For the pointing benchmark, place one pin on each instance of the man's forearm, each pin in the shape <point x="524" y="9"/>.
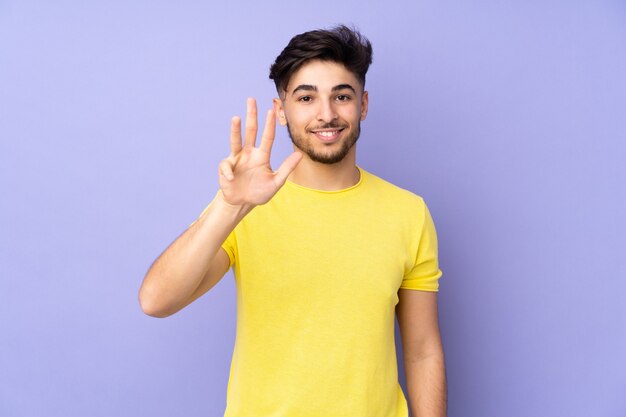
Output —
<point x="426" y="386"/>
<point x="179" y="270"/>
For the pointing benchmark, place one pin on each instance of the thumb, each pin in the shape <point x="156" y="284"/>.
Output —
<point x="287" y="168"/>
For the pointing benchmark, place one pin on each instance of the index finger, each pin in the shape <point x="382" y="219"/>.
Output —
<point x="269" y="132"/>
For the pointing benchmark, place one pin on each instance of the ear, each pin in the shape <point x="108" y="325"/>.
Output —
<point x="364" y="103"/>
<point x="280" y="111"/>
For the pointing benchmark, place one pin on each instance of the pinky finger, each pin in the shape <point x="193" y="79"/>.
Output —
<point x="235" y="135"/>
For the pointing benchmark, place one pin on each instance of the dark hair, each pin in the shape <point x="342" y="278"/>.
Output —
<point x="340" y="44"/>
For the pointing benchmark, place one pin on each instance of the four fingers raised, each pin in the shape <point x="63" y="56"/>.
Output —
<point x="227" y="166"/>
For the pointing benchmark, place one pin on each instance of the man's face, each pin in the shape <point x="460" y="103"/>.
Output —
<point x="322" y="108"/>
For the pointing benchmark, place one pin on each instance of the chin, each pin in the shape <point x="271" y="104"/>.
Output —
<point x="327" y="158"/>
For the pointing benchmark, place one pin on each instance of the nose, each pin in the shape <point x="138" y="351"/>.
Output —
<point x="326" y="112"/>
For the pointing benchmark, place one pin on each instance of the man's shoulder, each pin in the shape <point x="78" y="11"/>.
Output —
<point x="384" y="188"/>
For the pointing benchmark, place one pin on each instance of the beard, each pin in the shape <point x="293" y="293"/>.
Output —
<point x="305" y="146"/>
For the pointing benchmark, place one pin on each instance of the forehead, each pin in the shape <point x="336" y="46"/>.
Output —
<point x="324" y="75"/>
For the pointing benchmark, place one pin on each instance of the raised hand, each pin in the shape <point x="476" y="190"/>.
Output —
<point x="246" y="177"/>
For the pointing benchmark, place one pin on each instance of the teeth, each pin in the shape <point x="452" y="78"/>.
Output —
<point x="327" y="134"/>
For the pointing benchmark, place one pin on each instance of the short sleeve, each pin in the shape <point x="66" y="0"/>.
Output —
<point x="230" y="246"/>
<point x="425" y="273"/>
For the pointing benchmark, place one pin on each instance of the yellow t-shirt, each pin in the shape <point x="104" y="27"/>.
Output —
<point x="317" y="276"/>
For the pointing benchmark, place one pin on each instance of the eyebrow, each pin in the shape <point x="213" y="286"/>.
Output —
<point x="304" y="87"/>
<point x="309" y="87"/>
<point x="344" y="87"/>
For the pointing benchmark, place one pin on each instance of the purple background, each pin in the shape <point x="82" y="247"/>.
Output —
<point x="509" y="118"/>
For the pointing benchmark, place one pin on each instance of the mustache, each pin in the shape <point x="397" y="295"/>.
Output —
<point x="329" y="126"/>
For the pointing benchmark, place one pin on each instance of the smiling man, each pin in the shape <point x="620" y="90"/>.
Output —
<point x="325" y="255"/>
<point x="338" y="129"/>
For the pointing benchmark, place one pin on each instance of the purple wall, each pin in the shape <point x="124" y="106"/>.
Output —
<point x="508" y="117"/>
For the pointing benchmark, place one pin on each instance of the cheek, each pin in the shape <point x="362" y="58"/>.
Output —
<point x="352" y="114"/>
<point x="298" y="119"/>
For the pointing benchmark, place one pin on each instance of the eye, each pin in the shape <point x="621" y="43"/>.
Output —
<point x="305" y="99"/>
<point x="343" y="97"/>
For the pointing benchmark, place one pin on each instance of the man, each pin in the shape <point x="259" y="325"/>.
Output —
<point x="324" y="255"/>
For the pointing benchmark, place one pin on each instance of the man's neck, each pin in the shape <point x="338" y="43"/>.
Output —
<point x="326" y="177"/>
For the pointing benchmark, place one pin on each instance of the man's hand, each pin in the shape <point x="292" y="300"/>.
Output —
<point x="246" y="177"/>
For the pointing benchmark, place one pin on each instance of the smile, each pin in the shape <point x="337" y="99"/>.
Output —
<point x="327" y="135"/>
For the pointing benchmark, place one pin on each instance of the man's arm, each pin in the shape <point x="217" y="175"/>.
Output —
<point x="423" y="353"/>
<point x="195" y="261"/>
<point x="192" y="264"/>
